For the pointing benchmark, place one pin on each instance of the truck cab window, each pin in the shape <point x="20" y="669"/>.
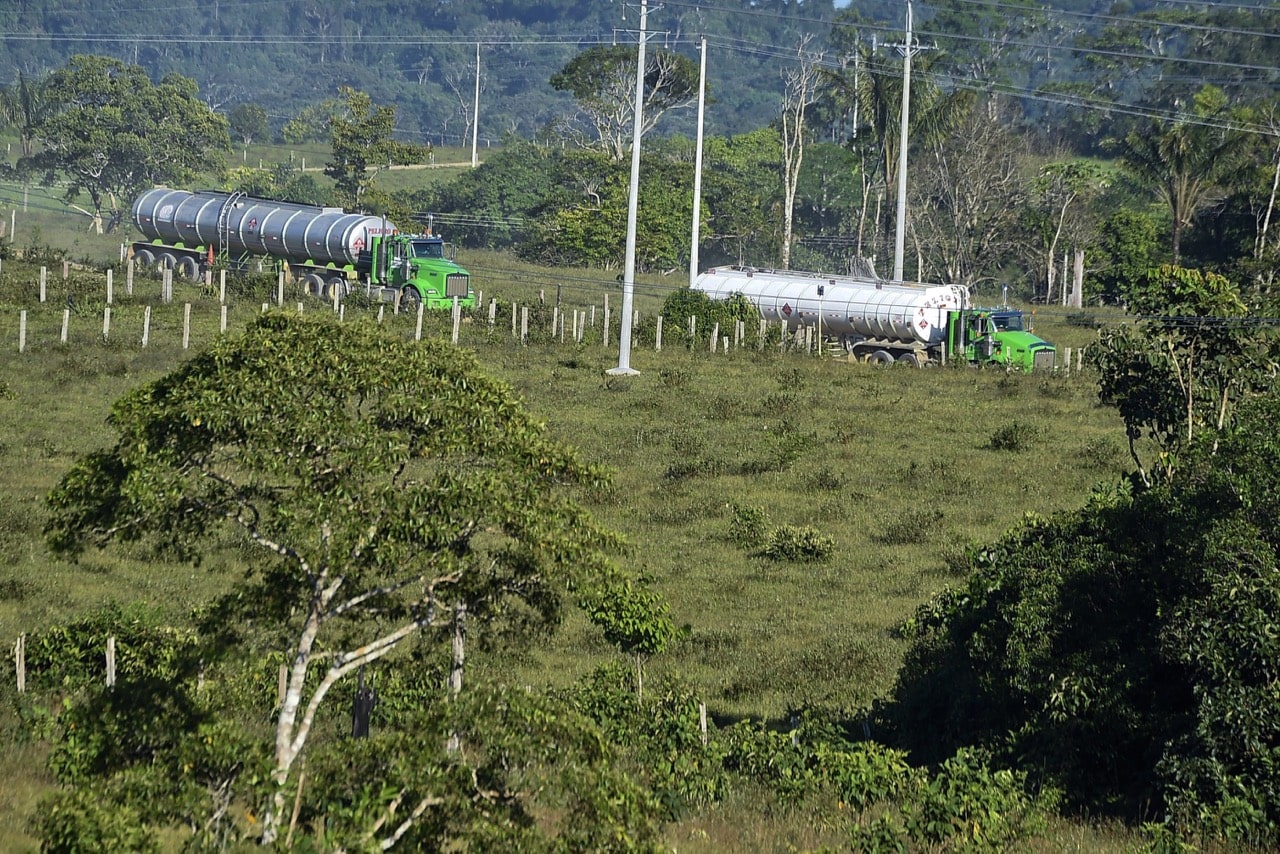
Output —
<point x="427" y="249"/>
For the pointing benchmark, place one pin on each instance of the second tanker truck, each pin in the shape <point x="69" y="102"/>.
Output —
<point x="325" y="250"/>
<point x="884" y="322"/>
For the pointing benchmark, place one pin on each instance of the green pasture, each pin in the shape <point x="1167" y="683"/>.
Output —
<point x="903" y="469"/>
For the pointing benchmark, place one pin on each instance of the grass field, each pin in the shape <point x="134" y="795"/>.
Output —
<point x="903" y="469"/>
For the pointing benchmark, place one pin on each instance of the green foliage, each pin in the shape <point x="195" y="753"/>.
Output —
<point x="602" y="79"/>
<point x="382" y="484"/>
<point x="1014" y="436"/>
<point x="748" y="526"/>
<point x="1192" y="357"/>
<point x="684" y="303"/>
<point x="363" y="146"/>
<point x="1145" y="622"/>
<point x="112" y="133"/>
<point x="81" y="822"/>
<point x="248" y="122"/>
<point x="661" y="736"/>
<point x="1127" y="250"/>
<point x="798" y="544"/>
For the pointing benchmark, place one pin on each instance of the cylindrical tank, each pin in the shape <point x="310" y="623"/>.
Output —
<point x="862" y="308"/>
<point x="242" y="224"/>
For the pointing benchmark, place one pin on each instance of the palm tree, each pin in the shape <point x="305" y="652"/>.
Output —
<point x="1187" y="161"/>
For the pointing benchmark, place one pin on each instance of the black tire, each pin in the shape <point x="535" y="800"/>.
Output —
<point x="336" y="285"/>
<point x="143" y="258"/>
<point x="410" y="298"/>
<point x="188" y="268"/>
<point x="880" y="357"/>
<point x="909" y="360"/>
<point x="166" y="261"/>
<point x="313" y="285"/>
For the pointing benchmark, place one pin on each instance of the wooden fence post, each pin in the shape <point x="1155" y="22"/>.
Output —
<point x="457" y="319"/>
<point x="417" y="331"/>
<point x="715" y="335"/>
<point x="44" y="279"/>
<point x="128" y="278"/>
<point x="111" y="661"/>
<point x="186" y="325"/>
<point x="146" y="326"/>
<point x="20" y="662"/>
<point x="524" y="324"/>
<point x="106" y="323"/>
<point x="222" y="326"/>
<point x="22" y="330"/>
<point x="657" y="336"/>
<point x="110" y="272"/>
<point x="66" y="324"/>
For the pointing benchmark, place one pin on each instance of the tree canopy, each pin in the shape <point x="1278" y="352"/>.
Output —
<point x="384" y="486"/>
<point x="109" y="133"/>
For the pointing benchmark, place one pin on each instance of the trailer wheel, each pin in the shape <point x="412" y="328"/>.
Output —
<point x="188" y="268"/>
<point x="312" y="284"/>
<point x="880" y="357"/>
<point x="143" y="258"/>
<point x="166" y="261"/>
<point x="336" y="285"/>
<point x="909" y="360"/>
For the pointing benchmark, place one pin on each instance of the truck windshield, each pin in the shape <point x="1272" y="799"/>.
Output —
<point x="1007" y="322"/>
<point x="428" y="249"/>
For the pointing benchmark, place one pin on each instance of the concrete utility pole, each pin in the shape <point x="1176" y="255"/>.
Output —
<point x="629" y="264"/>
<point x="697" y="167"/>
<point x="907" y="48"/>
<point x="475" y="123"/>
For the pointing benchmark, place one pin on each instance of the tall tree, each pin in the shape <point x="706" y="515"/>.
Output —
<point x="603" y="80"/>
<point x="798" y="92"/>
<point x="1185" y="161"/>
<point x="363" y="146"/>
<point x="110" y="133"/>
<point x="380" y="483"/>
<point x="249" y="122"/>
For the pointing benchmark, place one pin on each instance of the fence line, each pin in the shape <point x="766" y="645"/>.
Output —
<point x="804" y="339"/>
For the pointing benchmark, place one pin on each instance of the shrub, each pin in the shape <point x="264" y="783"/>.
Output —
<point x="798" y="544"/>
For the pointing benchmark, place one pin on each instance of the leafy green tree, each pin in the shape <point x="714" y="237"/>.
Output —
<point x="111" y="133"/>
<point x="603" y="81"/>
<point x="1192" y="357"/>
<point x="584" y="221"/>
<point x="1127" y="250"/>
<point x="1185" y="162"/>
<point x="380" y="484"/>
<point x="635" y="620"/>
<point x="1145" y="622"/>
<point x="363" y="146"/>
<point x="311" y="124"/>
<point x="249" y="122"/>
<point x="23" y="105"/>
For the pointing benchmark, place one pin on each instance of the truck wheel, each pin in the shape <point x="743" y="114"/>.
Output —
<point x="143" y="258"/>
<point x="312" y="284"/>
<point x="880" y="357"/>
<point x="188" y="268"/>
<point x="336" y="285"/>
<point x="166" y="261"/>
<point x="909" y="360"/>
<point x="410" y="298"/>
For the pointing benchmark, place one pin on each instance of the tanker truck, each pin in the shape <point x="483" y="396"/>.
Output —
<point x="884" y="322"/>
<point x="325" y="250"/>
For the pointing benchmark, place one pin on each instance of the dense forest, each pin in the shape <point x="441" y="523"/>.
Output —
<point x="1071" y="66"/>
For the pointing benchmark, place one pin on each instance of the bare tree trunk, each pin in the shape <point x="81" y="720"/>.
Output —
<point x="798" y="94"/>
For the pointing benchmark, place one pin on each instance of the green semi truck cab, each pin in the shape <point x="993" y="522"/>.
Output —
<point x="997" y="336"/>
<point x="420" y="266"/>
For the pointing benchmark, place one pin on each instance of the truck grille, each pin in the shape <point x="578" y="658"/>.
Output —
<point x="1043" y="360"/>
<point x="457" y="285"/>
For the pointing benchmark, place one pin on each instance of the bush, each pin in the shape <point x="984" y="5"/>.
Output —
<point x="1145" y="622"/>
<point x="798" y="544"/>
